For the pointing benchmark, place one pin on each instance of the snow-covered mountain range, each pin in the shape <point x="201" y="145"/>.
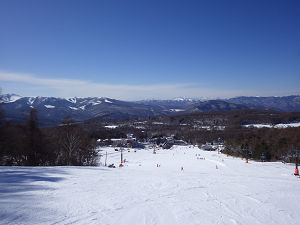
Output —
<point x="176" y="103"/>
<point x="52" y="110"/>
<point x="285" y="103"/>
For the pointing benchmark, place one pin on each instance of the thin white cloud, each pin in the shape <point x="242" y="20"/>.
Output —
<point x="72" y="87"/>
<point x="30" y="79"/>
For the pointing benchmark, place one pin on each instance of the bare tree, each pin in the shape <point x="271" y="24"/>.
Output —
<point x="76" y="148"/>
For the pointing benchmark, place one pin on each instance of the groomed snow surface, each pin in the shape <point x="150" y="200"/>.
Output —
<point x="211" y="189"/>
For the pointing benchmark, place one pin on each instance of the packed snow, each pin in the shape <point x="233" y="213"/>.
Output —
<point x="184" y="185"/>
<point x="280" y="125"/>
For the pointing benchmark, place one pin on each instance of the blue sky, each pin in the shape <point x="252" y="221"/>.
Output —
<point x="150" y="49"/>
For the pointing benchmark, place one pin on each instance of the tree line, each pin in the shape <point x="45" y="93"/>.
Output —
<point x="29" y="145"/>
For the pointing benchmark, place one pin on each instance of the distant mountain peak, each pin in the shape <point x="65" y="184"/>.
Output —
<point x="6" y="98"/>
<point x="182" y="99"/>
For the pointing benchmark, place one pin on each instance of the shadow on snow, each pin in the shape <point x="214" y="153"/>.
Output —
<point x="14" y="180"/>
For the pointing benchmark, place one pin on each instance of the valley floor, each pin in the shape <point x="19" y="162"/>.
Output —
<point x="211" y="189"/>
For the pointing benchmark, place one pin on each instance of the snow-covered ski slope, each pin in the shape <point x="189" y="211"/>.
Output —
<point x="214" y="190"/>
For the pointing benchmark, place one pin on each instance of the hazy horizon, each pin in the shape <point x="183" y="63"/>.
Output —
<point x="150" y="99"/>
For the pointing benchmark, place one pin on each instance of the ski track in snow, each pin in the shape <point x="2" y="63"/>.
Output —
<point x="141" y="193"/>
